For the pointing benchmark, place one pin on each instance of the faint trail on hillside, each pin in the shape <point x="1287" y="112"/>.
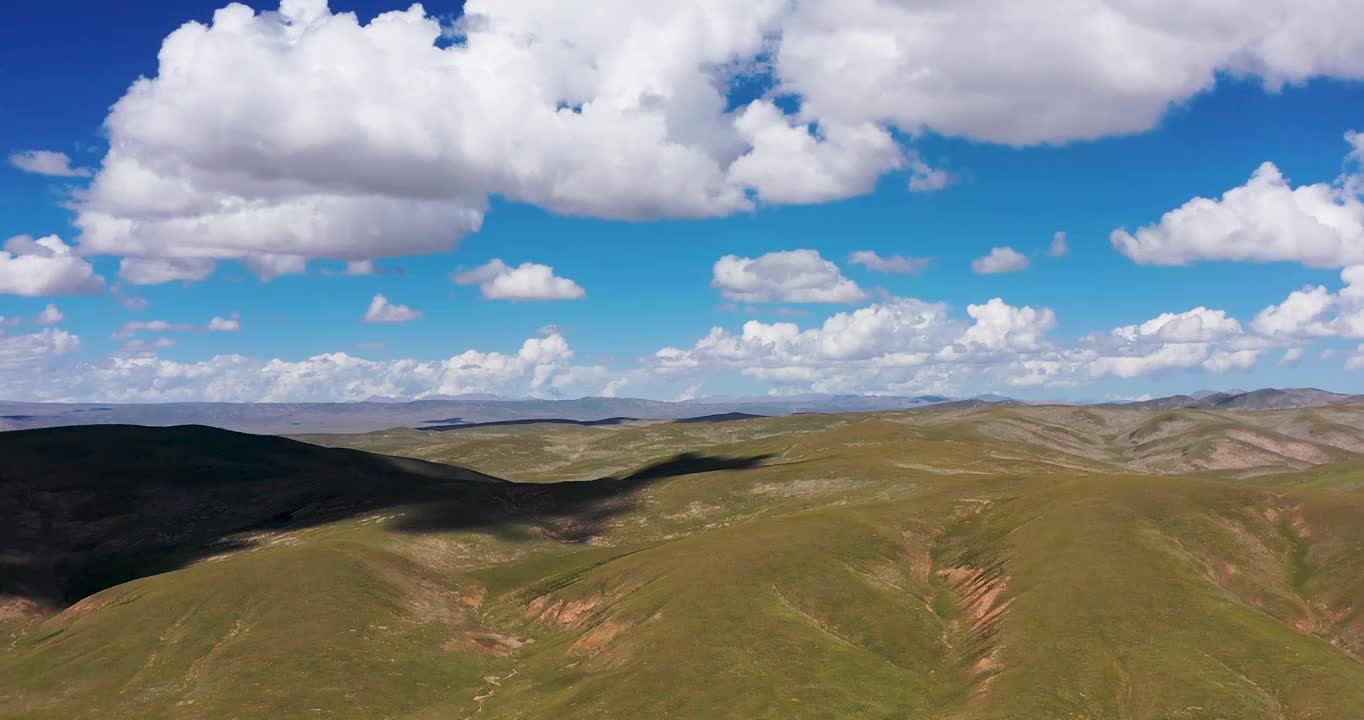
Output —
<point x="496" y="682"/>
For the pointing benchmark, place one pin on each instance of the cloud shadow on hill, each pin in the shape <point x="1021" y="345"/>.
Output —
<point x="95" y="506"/>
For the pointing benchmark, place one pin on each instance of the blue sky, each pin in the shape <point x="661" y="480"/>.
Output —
<point x="647" y="265"/>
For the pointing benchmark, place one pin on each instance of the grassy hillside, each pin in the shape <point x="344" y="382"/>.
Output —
<point x="997" y="563"/>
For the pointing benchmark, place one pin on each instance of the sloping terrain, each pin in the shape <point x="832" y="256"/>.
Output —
<point x="1006" y="562"/>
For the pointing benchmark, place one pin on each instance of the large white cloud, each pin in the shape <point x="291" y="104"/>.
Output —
<point x="1043" y="71"/>
<point x="45" y="266"/>
<point x="786" y="276"/>
<point x="1265" y="220"/>
<point x="284" y="136"/>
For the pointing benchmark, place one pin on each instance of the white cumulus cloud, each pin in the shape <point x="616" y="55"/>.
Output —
<point x="1060" y="245"/>
<point x="786" y="276"/>
<point x="24" y="356"/>
<point x="1265" y="220"/>
<point x="45" y="266"/>
<point x="50" y="315"/>
<point x="527" y="281"/>
<point x="38" y="367"/>
<point x="279" y="137"/>
<point x="382" y="311"/>
<point x="1000" y="260"/>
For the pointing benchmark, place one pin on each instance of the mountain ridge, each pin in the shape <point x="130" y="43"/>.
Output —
<point x="372" y="415"/>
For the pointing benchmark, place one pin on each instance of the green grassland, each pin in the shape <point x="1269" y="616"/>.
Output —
<point x="999" y="563"/>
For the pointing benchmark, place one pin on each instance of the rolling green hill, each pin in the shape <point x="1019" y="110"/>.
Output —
<point x="1006" y="562"/>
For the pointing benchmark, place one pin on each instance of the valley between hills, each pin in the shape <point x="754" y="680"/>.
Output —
<point x="958" y="563"/>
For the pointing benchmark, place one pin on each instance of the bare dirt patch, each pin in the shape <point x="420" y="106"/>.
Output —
<point x="558" y="612"/>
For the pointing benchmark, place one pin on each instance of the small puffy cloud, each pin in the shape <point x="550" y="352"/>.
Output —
<point x="894" y="264"/>
<point x="1060" y="245"/>
<point x="1353" y="361"/>
<point x="362" y="268"/>
<point x="140" y="347"/>
<point x="127" y="329"/>
<point x="130" y="302"/>
<point x="47" y="162"/>
<point x="382" y="311"/>
<point x="528" y="281"/>
<point x="1292" y="356"/>
<point x="231" y="323"/>
<point x="690" y="393"/>
<point x="154" y="271"/>
<point x="800" y="276"/>
<point x="926" y="178"/>
<point x="45" y="266"/>
<point x="1000" y="260"/>
<point x="50" y="315"/>
<point x="613" y="387"/>
<point x="1265" y="220"/>
<point x="268" y="266"/>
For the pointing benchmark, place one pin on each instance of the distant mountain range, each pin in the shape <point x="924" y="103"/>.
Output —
<point x="384" y="413"/>
<point x="1266" y="399"/>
